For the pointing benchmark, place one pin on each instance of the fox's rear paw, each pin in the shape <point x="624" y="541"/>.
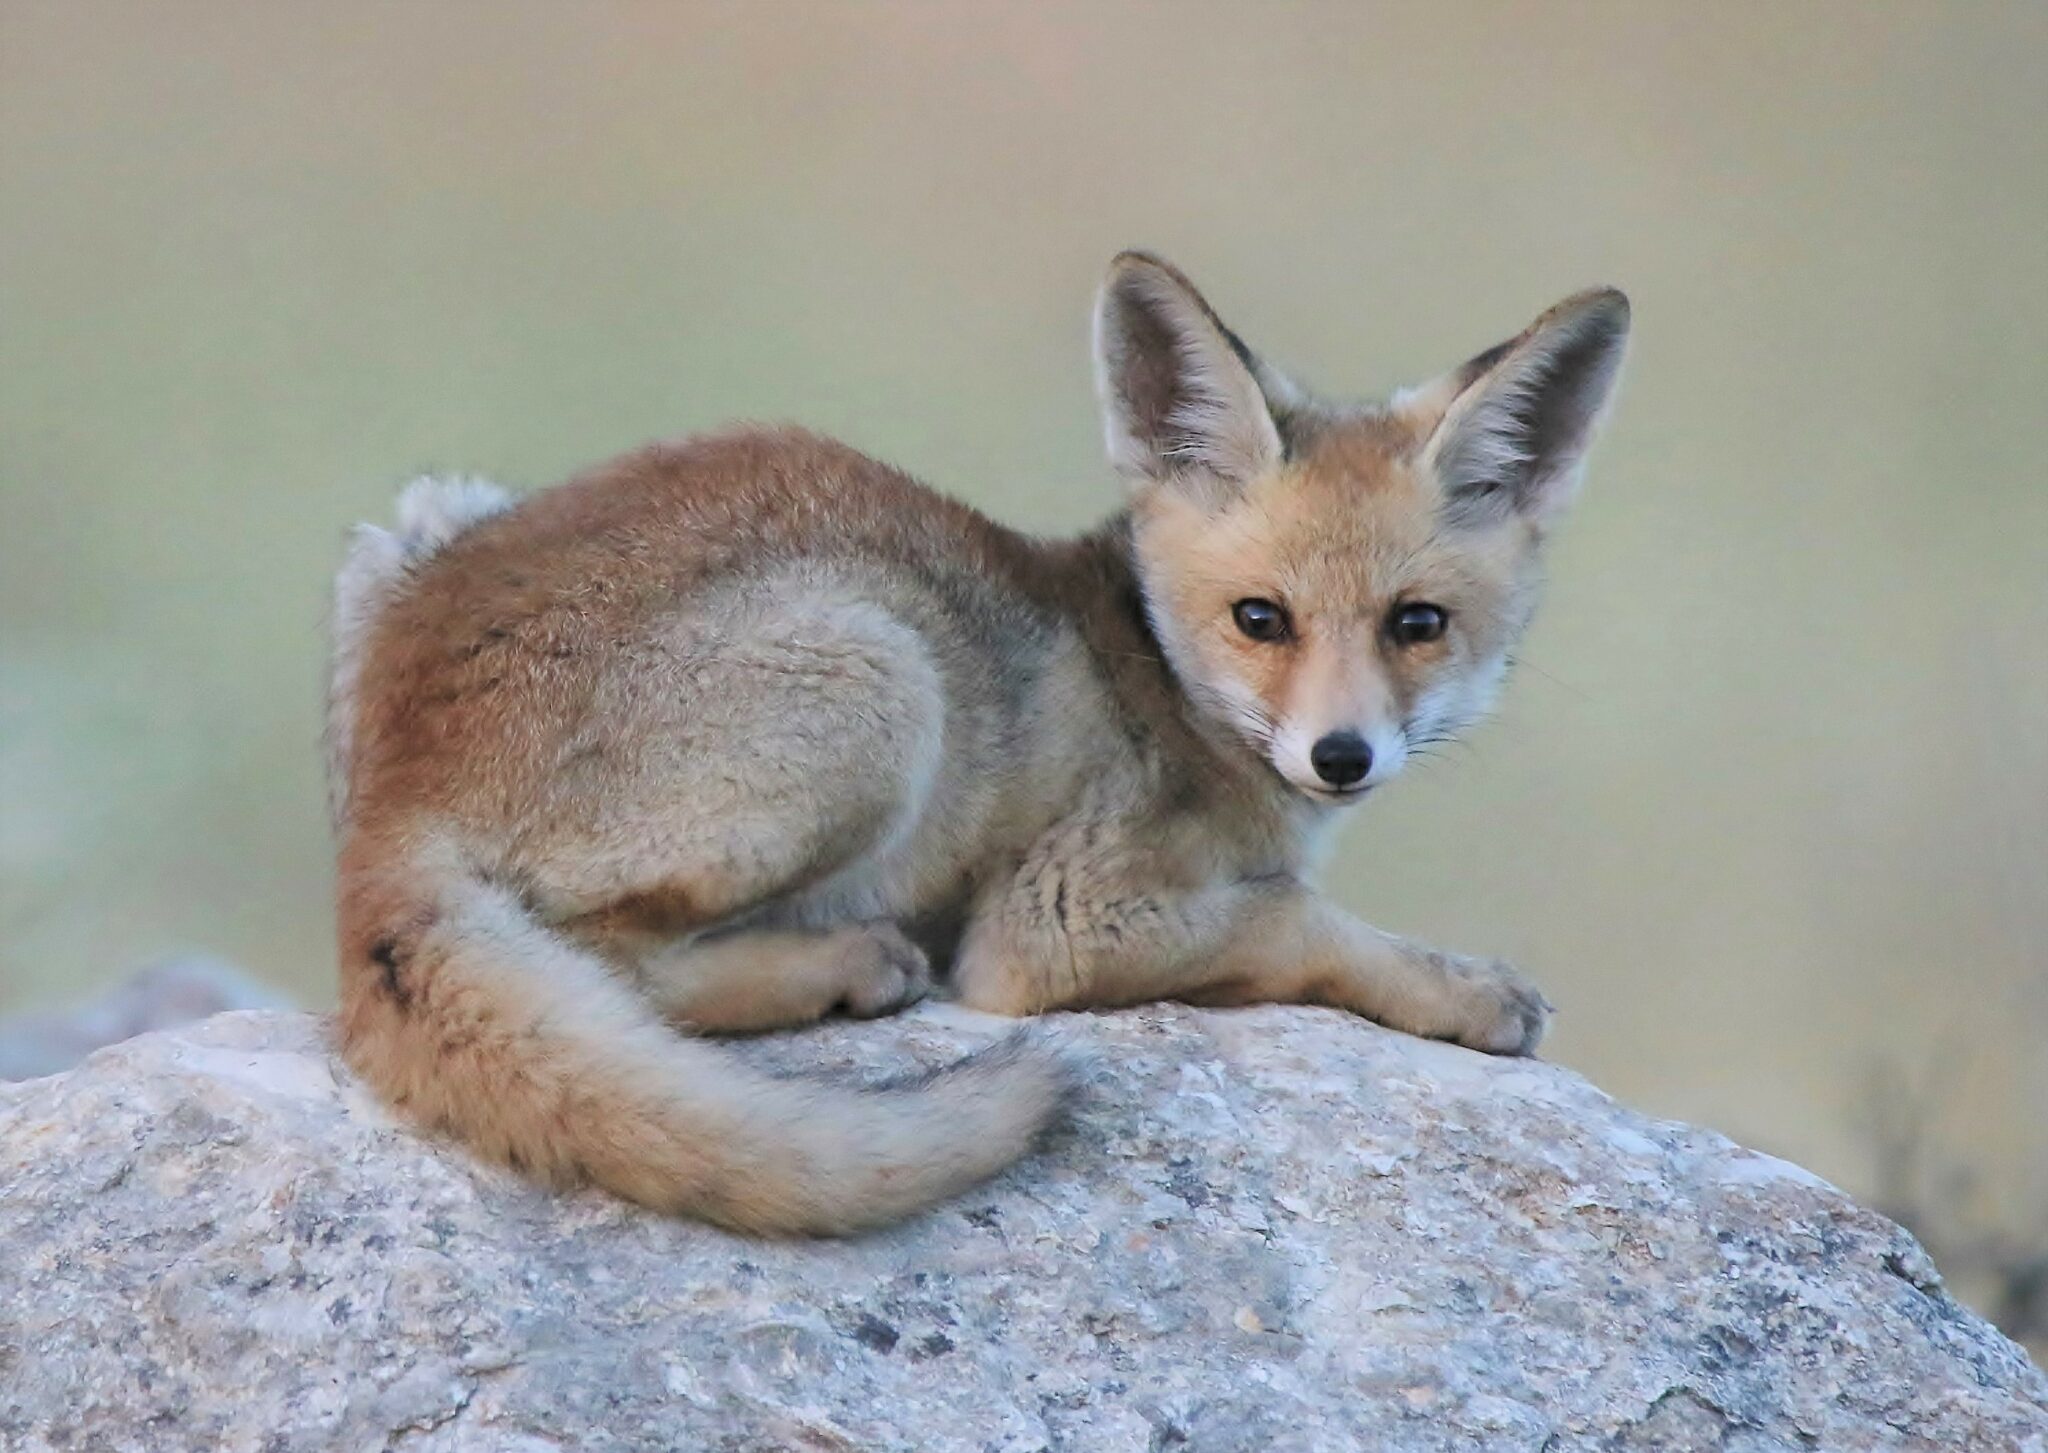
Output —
<point x="1506" y="1014"/>
<point x="879" y="971"/>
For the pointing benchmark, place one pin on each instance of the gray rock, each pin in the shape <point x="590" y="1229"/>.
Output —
<point x="1268" y="1229"/>
<point x="171" y="992"/>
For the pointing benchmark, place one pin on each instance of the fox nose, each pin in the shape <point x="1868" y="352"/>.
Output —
<point x="1341" y="759"/>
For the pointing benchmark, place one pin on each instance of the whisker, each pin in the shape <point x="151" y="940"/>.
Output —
<point x="1520" y="663"/>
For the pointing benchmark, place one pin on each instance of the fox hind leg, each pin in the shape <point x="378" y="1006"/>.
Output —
<point x="750" y="980"/>
<point x="797" y="740"/>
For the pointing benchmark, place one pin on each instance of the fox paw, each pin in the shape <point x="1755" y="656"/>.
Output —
<point x="878" y="971"/>
<point x="1503" y="1014"/>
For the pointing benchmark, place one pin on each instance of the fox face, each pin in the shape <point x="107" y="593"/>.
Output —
<point x="1341" y="585"/>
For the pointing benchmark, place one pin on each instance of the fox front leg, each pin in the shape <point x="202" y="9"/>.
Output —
<point x="1084" y="923"/>
<point x="1292" y="945"/>
<point x="1264" y="941"/>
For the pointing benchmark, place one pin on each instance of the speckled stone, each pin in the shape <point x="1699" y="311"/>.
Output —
<point x="1266" y="1229"/>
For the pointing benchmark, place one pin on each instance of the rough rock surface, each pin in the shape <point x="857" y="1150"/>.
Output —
<point x="1269" y="1229"/>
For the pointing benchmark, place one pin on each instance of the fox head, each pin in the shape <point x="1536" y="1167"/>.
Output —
<point x="1341" y="584"/>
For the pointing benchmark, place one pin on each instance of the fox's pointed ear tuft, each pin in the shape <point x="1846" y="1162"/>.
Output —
<point x="1183" y="399"/>
<point x="1520" y="416"/>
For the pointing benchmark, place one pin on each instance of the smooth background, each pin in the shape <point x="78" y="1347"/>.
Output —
<point x="1767" y="809"/>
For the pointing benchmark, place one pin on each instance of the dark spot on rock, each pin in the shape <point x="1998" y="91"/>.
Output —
<point x="935" y="1344"/>
<point x="1722" y="1347"/>
<point x="871" y="1331"/>
<point x="1895" y="1263"/>
<point x="1168" y="1434"/>
<point x="338" y="1310"/>
<point x="987" y="1218"/>
<point x="1184" y="1180"/>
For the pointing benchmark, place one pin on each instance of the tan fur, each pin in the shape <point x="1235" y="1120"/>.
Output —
<point x="731" y="734"/>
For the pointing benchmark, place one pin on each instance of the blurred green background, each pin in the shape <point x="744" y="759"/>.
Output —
<point x="1767" y="808"/>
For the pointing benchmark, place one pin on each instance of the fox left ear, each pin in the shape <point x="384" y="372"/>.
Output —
<point x="1183" y="399"/>
<point x="1521" y="416"/>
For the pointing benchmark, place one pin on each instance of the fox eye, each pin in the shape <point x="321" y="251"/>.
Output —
<point x="1418" y="622"/>
<point x="1262" y="620"/>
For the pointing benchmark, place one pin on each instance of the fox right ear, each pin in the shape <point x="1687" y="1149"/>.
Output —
<point x="1181" y="395"/>
<point x="1515" y="433"/>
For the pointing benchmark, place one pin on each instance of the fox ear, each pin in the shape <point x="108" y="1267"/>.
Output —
<point x="1520" y="416"/>
<point x="1182" y="398"/>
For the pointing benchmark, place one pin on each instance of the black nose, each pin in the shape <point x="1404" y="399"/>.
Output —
<point x="1341" y="758"/>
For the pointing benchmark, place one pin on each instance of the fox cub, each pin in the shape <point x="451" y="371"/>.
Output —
<point x="734" y="733"/>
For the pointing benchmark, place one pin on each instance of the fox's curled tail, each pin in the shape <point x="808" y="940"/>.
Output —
<point x="473" y="1017"/>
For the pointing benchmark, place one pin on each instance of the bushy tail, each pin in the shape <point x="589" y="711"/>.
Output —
<point x="463" y="1010"/>
<point x="432" y="510"/>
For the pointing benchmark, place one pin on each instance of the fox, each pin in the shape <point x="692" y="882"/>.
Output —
<point x="735" y="733"/>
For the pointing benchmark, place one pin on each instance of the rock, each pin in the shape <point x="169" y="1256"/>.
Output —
<point x="172" y="992"/>
<point x="1267" y="1229"/>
